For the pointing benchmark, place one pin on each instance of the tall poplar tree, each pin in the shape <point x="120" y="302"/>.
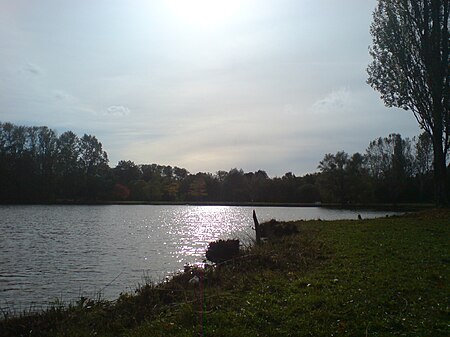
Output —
<point x="410" y="69"/>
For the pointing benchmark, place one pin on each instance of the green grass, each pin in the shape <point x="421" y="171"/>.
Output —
<point x="380" y="277"/>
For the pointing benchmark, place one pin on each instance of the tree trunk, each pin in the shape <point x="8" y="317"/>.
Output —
<point x="437" y="65"/>
<point x="440" y="173"/>
<point x="257" y="229"/>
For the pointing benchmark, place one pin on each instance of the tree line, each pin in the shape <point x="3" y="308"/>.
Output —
<point x="37" y="165"/>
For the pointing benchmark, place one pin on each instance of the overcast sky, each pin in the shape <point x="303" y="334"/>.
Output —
<point x="201" y="84"/>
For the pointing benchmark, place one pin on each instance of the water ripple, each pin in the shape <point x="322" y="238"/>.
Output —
<point x="64" y="252"/>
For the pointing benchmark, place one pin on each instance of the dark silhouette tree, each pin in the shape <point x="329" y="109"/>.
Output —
<point x="389" y="162"/>
<point x="334" y="177"/>
<point x="127" y="171"/>
<point x="93" y="162"/>
<point x="137" y="190"/>
<point x="180" y="173"/>
<point x="47" y="150"/>
<point x="410" y="69"/>
<point x="198" y="188"/>
<point x="92" y="155"/>
<point x="424" y="154"/>
<point x="67" y="168"/>
<point x="235" y="186"/>
<point x="423" y="165"/>
<point x="257" y="184"/>
<point x="308" y="193"/>
<point x="359" y="190"/>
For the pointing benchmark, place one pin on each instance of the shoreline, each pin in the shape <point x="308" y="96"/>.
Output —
<point x="375" y="277"/>
<point x="380" y="207"/>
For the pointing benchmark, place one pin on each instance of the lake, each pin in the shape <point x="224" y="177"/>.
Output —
<point x="59" y="253"/>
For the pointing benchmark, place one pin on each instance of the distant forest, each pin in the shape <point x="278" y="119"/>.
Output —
<point x="37" y="165"/>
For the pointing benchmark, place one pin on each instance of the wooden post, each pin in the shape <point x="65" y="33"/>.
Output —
<point x="257" y="230"/>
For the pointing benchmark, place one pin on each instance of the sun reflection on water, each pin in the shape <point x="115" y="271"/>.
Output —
<point x="200" y="225"/>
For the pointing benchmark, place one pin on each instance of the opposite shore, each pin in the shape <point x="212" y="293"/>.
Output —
<point x="405" y="207"/>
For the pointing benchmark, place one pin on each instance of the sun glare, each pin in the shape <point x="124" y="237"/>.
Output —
<point x="204" y="13"/>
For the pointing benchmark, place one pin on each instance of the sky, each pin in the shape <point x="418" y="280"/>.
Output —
<point x="206" y="85"/>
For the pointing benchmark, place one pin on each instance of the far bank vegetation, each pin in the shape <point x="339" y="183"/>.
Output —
<point x="37" y="165"/>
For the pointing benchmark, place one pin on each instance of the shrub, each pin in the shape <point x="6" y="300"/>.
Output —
<point x="222" y="250"/>
<point x="274" y="229"/>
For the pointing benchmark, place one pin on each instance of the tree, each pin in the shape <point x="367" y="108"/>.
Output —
<point x="197" y="188"/>
<point x="235" y="186"/>
<point x="67" y="156"/>
<point x="92" y="155"/>
<point x="423" y="165"/>
<point x="424" y="154"/>
<point x="47" y="150"/>
<point x="180" y="173"/>
<point x="289" y="184"/>
<point x="257" y="185"/>
<point x="359" y="190"/>
<point x="93" y="162"/>
<point x="389" y="162"/>
<point x="334" y="177"/>
<point x="67" y="153"/>
<point x="16" y="169"/>
<point x="410" y="69"/>
<point x="127" y="171"/>
<point x="308" y="193"/>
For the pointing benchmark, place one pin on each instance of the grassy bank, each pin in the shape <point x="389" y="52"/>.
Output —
<point x="380" y="277"/>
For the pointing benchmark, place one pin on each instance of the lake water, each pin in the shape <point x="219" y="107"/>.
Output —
<point x="53" y="253"/>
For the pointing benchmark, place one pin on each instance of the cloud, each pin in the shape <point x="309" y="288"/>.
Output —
<point x="61" y="95"/>
<point x="117" y="110"/>
<point x="33" y="69"/>
<point x="335" y="100"/>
